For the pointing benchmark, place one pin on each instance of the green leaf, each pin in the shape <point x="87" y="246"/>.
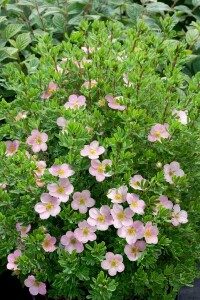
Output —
<point x="59" y="22"/>
<point x="12" y="52"/>
<point x="158" y="7"/>
<point x="2" y="19"/>
<point x="75" y="20"/>
<point x="11" y="30"/>
<point x="196" y="3"/>
<point x="183" y="8"/>
<point x="26" y="3"/>
<point x="191" y="36"/>
<point x="3" y="55"/>
<point x="23" y="40"/>
<point x="134" y="11"/>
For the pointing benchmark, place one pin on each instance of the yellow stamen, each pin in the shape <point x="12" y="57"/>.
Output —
<point x="101" y="169"/>
<point x="61" y="172"/>
<point x="118" y="197"/>
<point x="101" y="218"/>
<point x="60" y="190"/>
<point x="114" y="263"/>
<point x="134" y="250"/>
<point x="82" y="201"/>
<point x="147" y="233"/>
<point x="92" y="151"/>
<point x="38" y="140"/>
<point x="131" y="231"/>
<point x="85" y="231"/>
<point x="120" y="216"/>
<point x="49" y="206"/>
<point x="134" y="204"/>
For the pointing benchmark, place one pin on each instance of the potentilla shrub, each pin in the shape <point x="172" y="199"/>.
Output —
<point x="99" y="166"/>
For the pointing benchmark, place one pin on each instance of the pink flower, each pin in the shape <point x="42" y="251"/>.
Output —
<point x="62" y="190"/>
<point x="122" y="217"/>
<point x="136" y="205"/>
<point x="11" y="147"/>
<point x="41" y="165"/>
<point x="113" y="102"/>
<point x="178" y="216"/>
<point x="75" y="102"/>
<point x="98" y="169"/>
<point x="21" y="115"/>
<point x="132" y="233"/>
<point x="23" y="229"/>
<point x="157" y="132"/>
<point x="87" y="50"/>
<point x="118" y="195"/>
<point x="181" y="114"/>
<point x="85" y="232"/>
<point x="38" y="141"/>
<point x="71" y="243"/>
<point x="39" y="183"/>
<point x="150" y="233"/>
<point x="90" y="84"/>
<point x="126" y="81"/>
<point x="62" y="122"/>
<point x="93" y="150"/>
<point x="101" y="218"/>
<point x="35" y="287"/>
<point x="165" y="202"/>
<point x="81" y="201"/>
<point x="172" y="169"/>
<point x="59" y="69"/>
<point x="62" y="171"/>
<point x="48" y="243"/>
<point x="12" y="260"/>
<point x="113" y="263"/>
<point x="134" y="251"/>
<point x="49" y="206"/>
<point x="52" y="87"/>
<point x="136" y="182"/>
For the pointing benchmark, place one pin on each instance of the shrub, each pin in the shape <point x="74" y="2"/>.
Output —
<point x="99" y="166"/>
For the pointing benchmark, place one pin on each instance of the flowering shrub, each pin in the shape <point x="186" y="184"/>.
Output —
<point x="99" y="184"/>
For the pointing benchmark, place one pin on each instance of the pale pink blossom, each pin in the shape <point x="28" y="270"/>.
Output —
<point x="87" y="50"/>
<point x="64" y="59"/>
<point x="71" y="243"/>
<point x="75" y="102"/>
<point x="150" y="233"/>
<point x="121" y="217"/>
<point x="48" y="243"/>
<point x="62" y="190"/>
<point x="12" y="260"/>
<point x="62" y="122"/>
<point x="89" y="129"/>
<point x="165" y="202"/>
<point x="52" y="87"/>
<point x="93" y="150"/>
<point x="126" y="81"/>
<point x="40" y="183"/>
<point x="113" y="263"/>
<point x="179" y="216"/>
<point x="172" y="169"/>
<point x="49" y="206"/>
<point x="11" y="147"/>
<point x="137" y="181"/>
<point x="37" y="140"/>
<point x="3" y="185"/>
<point x="113" y="102"/>
<point x="181" y="115"/>
<point x="118" y="195"/>
<point x="59" y="69"/>
<point x="85" y="61"/>
<point x="35" y="287"/>
<point x="28" y="154"/>
<point x="136" y="205"/>
<point x="21" y="115"/>
<point x="90" y="84"/>
<point x="62" y="171"/>
<point x="98" y="169"/>
<point x="81" y="201"/>
<point x="157" y="132"/>
<point x="23" y="229"/>
<point x="135" y="250"/>
<point x="101" y="218"/>
<point x="132" y="233"/>
<point x="41" y="166"/>
<point x="85" y="232"/>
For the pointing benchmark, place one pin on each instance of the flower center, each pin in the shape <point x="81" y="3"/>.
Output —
<point x="61" y="172"/>
<point x="23" y="229"/>
<point x="158" y="134"/>
<point x="147" y="233"/>
<point x="82" y="201"/>
<point x="73" y="241"/>
<point x="101" y="218"/>
<point x="121" y="216"/>
<point x="92" y="151"/>
<point x="134" y="250"/>
<point x="176" y="216"/>
<point x="46" y="243"/>
<point x="75" y="104"/>
<point x="118" y="197"/>
<point x="38" y="140"/>
<point x="131" y="231"/>
<point x="114" y="263"/>
<point x="12" y="149"/>
<point x="134" y="204"/>
<point x="102" y="102"/>
<point x="171" y="173"/>
<point x="85" y="231"/>
<point x="60" y="190"/>
<point x="50" y="91"/>
<point x="36" y="283"/>
<point x="101" y="168"/>
<point x="49" y="206"/>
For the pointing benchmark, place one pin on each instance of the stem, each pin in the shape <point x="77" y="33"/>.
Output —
<point x="41" y="19"/>
<point x="139" y="83"/>
<point x="176" y="1"/>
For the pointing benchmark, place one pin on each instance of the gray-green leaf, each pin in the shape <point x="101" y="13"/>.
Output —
<point x="59" y="22"/>
<point x="11" y="30"/>
<point x="23" y="40"/>
<point x="191" y="36"/>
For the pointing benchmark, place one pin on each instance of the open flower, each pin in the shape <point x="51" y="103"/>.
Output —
<point x="93" y="150"/>
<point x="37" y="140"/>
<point x="98" y="169"/>
<point x="75" y="102"/>
<point x="150" y="233"/>
<point x="62" y="122"/>
<point x="85" y="232"/>
<point x="62" y="190"/>
<point x="49" y="206"/>
<point x="136" y="182"/>
<point x="113" y="102"/>
<point x="178" y="216"/>
<point x="81" y="201"/>
<point x="157" y="132"/>
<point x="23" y="229"/>
<point x="62" y="171"/>
<point x="12" y="260"/>
<point x="71" y="243"/>
<point x="121" y="217"/>
<point x="88" y="50"/>
<point x="21" y="115"/>
<point x="135" y="250"/>
<point x="118" y="195"/>
<point x="126" y="81"/>
<point x="172" y="169"/>
<point x="35" y="287"/>
<point x="11" y="147"/>
<point x="113" y="263"/>
<point x="165" y="202"/>
<point x="90" y="84"/>
<point x="48" y="243"/>
<point x="41" y="166"/>
<point x="101" y="218"/>
<point x="132" y="233"/>
<point x="136" y="205"/>
<point x="181" y="115"/>
<point x="52" y="87"/>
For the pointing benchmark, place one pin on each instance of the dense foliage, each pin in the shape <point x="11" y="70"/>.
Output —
<point x="127" y="90"/>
